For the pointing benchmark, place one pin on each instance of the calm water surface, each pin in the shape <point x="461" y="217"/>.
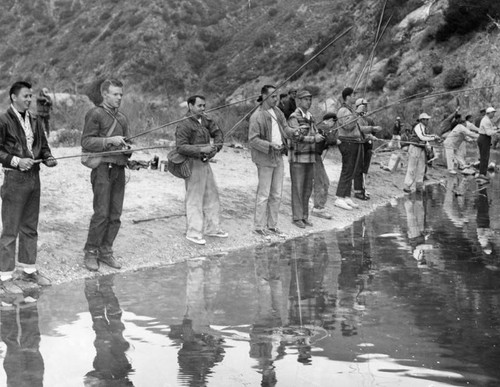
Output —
<point x="407" y="297"/>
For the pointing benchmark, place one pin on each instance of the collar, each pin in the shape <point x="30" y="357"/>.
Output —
<point x="307" y="115"/>
<point x="109" y="109"/>
<point x="18" y="114"/>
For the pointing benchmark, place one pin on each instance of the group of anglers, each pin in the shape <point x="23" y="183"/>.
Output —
<point x="273" y="133"/>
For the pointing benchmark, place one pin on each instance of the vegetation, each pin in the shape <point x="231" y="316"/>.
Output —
<point x="464" y="16"/>
<point x="455" y="78"/>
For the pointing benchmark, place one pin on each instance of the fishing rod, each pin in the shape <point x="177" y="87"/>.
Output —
<point x="106" y="153"/>
<point x="190" y="116"/>
<point x="290" y="77"/>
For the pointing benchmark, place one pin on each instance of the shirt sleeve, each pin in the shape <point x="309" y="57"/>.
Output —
<point x="487" y="126"/>
<point x="419" y="131"/>
<point x="91" y="141"/>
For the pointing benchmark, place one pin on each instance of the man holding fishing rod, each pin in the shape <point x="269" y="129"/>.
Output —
<point x="106" y="129"/>
<point x="22" y="146"/>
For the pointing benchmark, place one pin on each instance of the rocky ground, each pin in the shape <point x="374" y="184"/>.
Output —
<point x="66" y="207"/>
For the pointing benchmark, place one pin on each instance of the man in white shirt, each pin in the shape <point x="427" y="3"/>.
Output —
<point x="266" y="136"/>
<point x="486" y="130"/>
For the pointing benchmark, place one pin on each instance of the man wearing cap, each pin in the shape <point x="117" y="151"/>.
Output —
<point x="326" y="128"/>
<point x="395" y="142"/>
<point x="267" y="139"/>
<point x="416" y="154"/>
<point x="486" y="130"/>
<point x="367" y="130"/>
<point x="302" y="156"/>
<point x="290" y="105"/>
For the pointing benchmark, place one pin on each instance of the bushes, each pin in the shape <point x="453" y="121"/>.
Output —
<point x="392" y="65"/>
<point x="264" y="39"/>
<point x="272" y="12"/>
<point x="464" y="16"/>
<point x="455" y="78"/>
<point x="418" y="86"/>
<point x="377" y="83"/>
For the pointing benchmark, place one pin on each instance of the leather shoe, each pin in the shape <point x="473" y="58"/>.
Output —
<point x="361" y="196"/>
<point x="299" y="223"/>
<point x="35" y="277"/>
<point x="110" y="261"/>
<point x="90" y="261"/>
<point x="307" y="222"/>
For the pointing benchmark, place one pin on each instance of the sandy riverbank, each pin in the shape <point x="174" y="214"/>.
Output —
<point x="66" y="207"/>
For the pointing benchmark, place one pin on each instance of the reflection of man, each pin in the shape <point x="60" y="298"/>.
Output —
<point x="484" y="232"/>
<point x="202" y="347"/>
<point x="266" y="344"/>
<point x="23" y="362"/>
<point x="105" y="129"/>
<point x="415" y="217"/>
<point x="111" y="364"/>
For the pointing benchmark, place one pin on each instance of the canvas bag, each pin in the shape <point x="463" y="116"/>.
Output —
<point x="91" y="161"/>
<point x="179" y="165"/>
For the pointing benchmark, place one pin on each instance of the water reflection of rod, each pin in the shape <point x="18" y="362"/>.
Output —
<point x="297" y="280"/>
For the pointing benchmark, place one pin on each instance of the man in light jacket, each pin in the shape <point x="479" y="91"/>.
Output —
<point x="266" y="136"/>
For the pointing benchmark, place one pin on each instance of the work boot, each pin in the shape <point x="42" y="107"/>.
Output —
<point x="111" y="261"/>
<point x="35" y="277"/>
<point x="90" y="260"/>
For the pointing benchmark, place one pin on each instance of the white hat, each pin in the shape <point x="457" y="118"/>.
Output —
<point x="424" y="116"/>
<point x="361" y="101"/>
<point x="491" y="109"/>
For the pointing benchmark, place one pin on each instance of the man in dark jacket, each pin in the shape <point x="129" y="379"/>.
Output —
<point x="202" y="196"/>
<point x="23" y="146"/>
<point x="106" y="129"/>
<point x="43" y="108"/>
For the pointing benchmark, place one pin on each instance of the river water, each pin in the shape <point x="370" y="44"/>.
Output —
<point x="409" y="296"/>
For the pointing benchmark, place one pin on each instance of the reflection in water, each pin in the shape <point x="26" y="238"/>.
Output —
<point x="23" y="362"/>
<point x="266" y="344"/>
<point x="484" y="232"/>
<point x="416" y="216"/>
<point x="201" y="346"/>
<point x="111" y="365"/>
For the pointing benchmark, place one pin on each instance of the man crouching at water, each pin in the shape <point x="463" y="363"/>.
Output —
<point x="22" y="144"/>
<point x="202" y="196"/>
<point x="266" y="137"/>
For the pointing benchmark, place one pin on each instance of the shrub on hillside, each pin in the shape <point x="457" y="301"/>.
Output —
<point x="455" y="78"/>
<point x="418" y="87"/>
<point x="392" y="65"/>
<point x="264" y="39"/>
<point x="437" y="68"/>
<point x="90" y="34"/>
<point x="464" y="16"/>
<point x="393" y="84"/>
<point x="272" y="12"/>
<point x="377" y="83"/>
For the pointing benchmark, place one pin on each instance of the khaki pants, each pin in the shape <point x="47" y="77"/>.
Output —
<point x="267" y="203"/>
<point x="416" y="167"/>
<point x="202" y="201"/>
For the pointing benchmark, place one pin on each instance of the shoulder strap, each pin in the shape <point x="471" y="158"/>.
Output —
<point x="113" y="126"/>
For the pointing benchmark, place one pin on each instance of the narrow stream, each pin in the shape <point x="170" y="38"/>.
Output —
<point x="409" y="296"/>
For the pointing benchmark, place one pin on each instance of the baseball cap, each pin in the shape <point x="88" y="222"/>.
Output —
<point x="361" y="101"/>
<point x="303" y="94"/>
<point x="424" y="116"/>
<point x="491" y="109"/>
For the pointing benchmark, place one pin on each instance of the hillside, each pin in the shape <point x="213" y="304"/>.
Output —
<point x="167" y="49"/>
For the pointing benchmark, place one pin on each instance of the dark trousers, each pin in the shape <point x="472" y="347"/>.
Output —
<point x="23" y="362"/>
<point x="20" y="208"/>
<point x="108" y="185"/>
<point x="302" y="175"/>
<point x="367" y="156"/>
<point x="352" y="168"/>
<point x="484" y="144"/>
